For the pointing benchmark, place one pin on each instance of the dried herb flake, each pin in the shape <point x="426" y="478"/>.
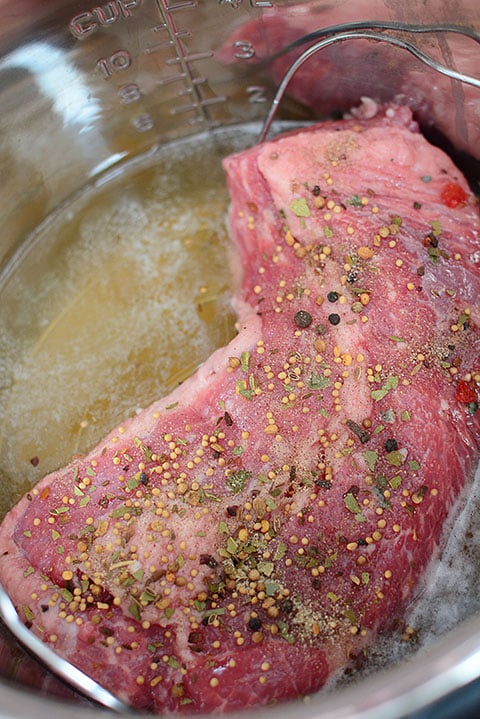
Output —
<point x="300" y="208"/>
<point x="236" y="482"/>
<point x="390" y="383"/>
<point x="371" y="457"/>
<point x="318" y="381"/>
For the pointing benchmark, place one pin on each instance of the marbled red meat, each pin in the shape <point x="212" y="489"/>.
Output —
<point x="246" y="538"/>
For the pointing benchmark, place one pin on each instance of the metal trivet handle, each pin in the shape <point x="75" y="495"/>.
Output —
<point x="360" y="30"/>
<point x="59" y="666"/>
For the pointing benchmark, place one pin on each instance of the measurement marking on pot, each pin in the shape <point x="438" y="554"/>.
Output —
<point x="171" y="79"/>
<point x="86" y="23"/>
<point x="256" y="93"/>
<point x="183" y="58"/>
<point x="236" y="4"/>
<point x="195" y="57"/>
<point x="188" y="91"/>
<point x="192" y="83"/>
<point x="194" y="105"/>
<point x="244" y="49"/>
<point x="129" y="93"/>
<point x="179" y="5"/>
<point x="144" y="123"/>
<point x="165" y="43"/>
<point x="118" y="61"/>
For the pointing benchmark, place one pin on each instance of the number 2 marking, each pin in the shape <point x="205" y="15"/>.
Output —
<point x="256" y="93"/>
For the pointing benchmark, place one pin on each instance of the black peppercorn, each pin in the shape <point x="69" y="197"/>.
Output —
<point x="334" y="319"/>
<point x="333" y="296"/>
<point x="303" y="319"/>
<point x="208" y="560"/>
<point x="391" y="445"/>
<point x="254" y="624"/>
<point x="287" y="606"/>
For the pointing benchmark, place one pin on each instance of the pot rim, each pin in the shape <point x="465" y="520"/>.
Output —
<point x="447" y="665"/>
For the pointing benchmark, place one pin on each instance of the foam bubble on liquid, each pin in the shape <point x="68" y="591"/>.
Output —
<point x="447" y="594"/>
<point x="450" y="590"/>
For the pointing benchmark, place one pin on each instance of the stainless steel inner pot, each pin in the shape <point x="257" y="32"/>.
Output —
<point x="85" y="89"/>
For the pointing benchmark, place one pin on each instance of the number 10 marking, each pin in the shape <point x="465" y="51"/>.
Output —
<point x="108" y="66"/>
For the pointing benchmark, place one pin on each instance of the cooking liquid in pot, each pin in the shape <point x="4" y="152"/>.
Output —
<point x="116" y="299"/>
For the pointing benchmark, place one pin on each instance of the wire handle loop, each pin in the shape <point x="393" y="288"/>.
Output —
<point x="358" y="30"/>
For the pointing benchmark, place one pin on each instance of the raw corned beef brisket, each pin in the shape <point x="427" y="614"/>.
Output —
<point x="244" y="539"/>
